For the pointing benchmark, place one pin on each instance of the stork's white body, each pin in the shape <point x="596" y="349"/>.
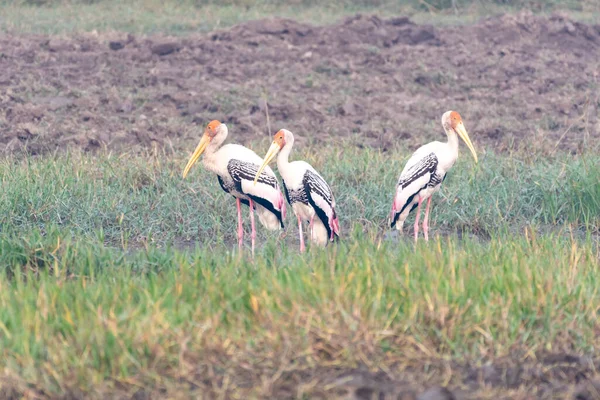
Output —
<point x="293" y="174"/>
<point x="217" y="160"/>
<point x="236" y="167"/>
<point x="423" y="188"/>
<point x="424" y="173"/>
<point x="309" y="195"/>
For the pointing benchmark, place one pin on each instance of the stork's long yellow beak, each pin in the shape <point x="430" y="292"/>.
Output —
<point x="273" y="150"/>
<point x="197" y="153"/>
<point x="462" y="132"/>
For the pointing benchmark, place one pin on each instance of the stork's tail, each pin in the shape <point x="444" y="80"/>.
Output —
<point x="319" y="234"/>
<point x="394" y="219"/>
<point x="267" y="218"/>
<point x="282" y="206"/>
<point x="271" y="213"/>
<point x="395" y="213"/>
<point x="397" y="223"/>
<point x="334" y="225"/>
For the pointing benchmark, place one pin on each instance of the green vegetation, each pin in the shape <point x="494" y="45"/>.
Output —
<point x="72" y="301"/>
<point x="176" y="17"/>
<point x="141" y="199"/>
<point x="84" y="318"/>
<point x="118" y="276"/>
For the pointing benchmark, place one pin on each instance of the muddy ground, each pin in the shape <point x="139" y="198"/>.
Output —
<point x="541" y="376"/>
<point x="518" y="80"/>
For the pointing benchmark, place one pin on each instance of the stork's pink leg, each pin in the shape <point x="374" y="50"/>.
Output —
<point x="332" y="231"/>
<point x="417" y="220"/>
<point x="253" y="235"/>
<point x="240" y="232"/>
<point x="312" y="220"/>
<point x="426" y="220"/>
<point x="301" y="235"/>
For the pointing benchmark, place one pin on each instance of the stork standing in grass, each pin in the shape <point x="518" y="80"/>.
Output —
<point x="236" y="167"/>
<point x="306" y="191"/>
<point x="425" y="171"/>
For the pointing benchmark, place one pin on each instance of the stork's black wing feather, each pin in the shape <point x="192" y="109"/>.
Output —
<point x="241" y="170"/>
<point x="228" y="189"/>
<point x="315" y="185"/>
<point x="285" y="192"/>
<point x="421" y="175"/>
<point x="427" y="165"/>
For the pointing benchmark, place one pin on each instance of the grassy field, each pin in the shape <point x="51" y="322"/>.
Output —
<point x="141" y="199"/>
<point x="118" y="275"/>
<point x="119" y="279"/>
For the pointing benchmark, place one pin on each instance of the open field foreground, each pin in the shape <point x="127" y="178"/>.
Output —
<point x="510" y="318"/>
<point x="121" y="280"/>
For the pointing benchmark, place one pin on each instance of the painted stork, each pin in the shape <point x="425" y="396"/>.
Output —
<point x="306" y="191"/>
<point x="236" y="166"/>
<point x="425" y="171"/>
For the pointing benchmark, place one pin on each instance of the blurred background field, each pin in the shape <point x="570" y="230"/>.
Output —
<point x="179" y="17"/>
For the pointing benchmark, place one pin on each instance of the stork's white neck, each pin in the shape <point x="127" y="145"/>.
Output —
<point x="452" y="139"/>
<point x="218" y="140"/>
<point x="209" y="159"/>
<point x="452" y="145"/>
<point x="284" y="155"/>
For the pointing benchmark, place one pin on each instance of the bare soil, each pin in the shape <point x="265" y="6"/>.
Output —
<point x="520" y="81"/>
<point x="541" y="376"/>
<point x="217" y="373"/>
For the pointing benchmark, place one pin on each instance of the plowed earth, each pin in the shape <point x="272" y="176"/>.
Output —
<point x="518" y="80"/>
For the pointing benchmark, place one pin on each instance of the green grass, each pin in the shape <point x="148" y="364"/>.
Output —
<point x="141" y="199"/>
<point x="178" y="17"/>
<point x="150" y="318"/>
<point x="119" y="275"/>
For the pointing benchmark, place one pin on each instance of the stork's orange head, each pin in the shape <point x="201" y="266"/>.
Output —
<point x="455" y="119"/>
<point x="212" y="128"/>
<point x="210" y="132"/>
<point x="279" y="138"/>
<point x="453" y="125"/>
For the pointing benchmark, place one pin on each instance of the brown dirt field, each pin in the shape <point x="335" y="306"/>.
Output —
<point x="519" y="81"/>
<point x="285" y="374"/>
<point x="547" y="376"/>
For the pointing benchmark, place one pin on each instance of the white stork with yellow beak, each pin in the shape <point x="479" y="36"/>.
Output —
<point x="425" y="171"/>
<point x="306" y="191"/>
<point x="236" y="167"/>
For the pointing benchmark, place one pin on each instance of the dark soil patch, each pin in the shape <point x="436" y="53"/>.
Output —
<point x="521" y="80"/>
<point x="545" y="376"/>
<point x="555" y="376"/>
